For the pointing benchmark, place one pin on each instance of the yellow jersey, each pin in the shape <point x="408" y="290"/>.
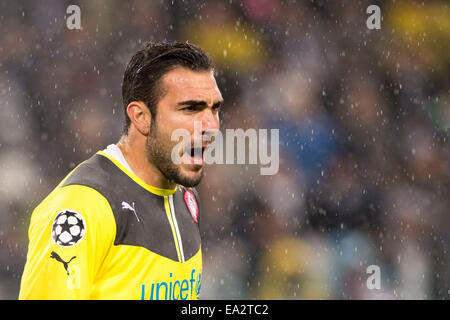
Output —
<point x="103" y="233"/>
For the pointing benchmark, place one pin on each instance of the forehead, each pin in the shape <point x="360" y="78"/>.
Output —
<point x="181" y="84"/>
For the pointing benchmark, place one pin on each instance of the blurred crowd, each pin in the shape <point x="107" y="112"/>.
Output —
<point x="363" y="117"/>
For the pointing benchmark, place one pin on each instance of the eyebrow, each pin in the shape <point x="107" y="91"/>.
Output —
<point x="199" y="103"/>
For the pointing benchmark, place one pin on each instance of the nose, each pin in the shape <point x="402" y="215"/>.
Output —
<point x="210" y="121"/>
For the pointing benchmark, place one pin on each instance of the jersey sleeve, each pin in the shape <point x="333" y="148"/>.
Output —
<point x="70" y="234"/>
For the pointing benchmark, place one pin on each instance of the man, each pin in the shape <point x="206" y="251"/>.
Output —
<point x="124" y="223"/>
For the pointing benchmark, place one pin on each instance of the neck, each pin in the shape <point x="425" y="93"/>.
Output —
<point x="134" y="151"/>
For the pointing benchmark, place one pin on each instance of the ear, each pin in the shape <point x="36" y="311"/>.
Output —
<point x="140" y="116"/>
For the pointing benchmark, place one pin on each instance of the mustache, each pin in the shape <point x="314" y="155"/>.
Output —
<point x="202" y="142"/>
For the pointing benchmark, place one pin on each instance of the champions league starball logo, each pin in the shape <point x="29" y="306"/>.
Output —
<point x="68" y="228"/>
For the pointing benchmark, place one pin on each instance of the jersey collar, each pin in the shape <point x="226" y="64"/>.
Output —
<point x="139" y="181"/>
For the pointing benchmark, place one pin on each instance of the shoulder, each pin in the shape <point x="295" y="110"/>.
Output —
<point x="86" y="201"/>
<point x="71" y="215"/>
<point x="78" y="189"/>
<point x="72" y="195"/>
<point x="97" y="171"/>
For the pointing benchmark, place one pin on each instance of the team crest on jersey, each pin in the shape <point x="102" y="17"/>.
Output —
<point x="191" y="203"/>
<point x="68" y="228"/>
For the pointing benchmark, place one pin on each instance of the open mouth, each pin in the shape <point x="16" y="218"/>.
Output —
<point x="194" y="155"/>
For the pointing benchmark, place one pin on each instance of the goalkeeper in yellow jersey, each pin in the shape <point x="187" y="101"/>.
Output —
<point x="124" y="224"/>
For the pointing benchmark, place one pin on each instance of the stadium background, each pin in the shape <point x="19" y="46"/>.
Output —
<point x="364" y="120"/>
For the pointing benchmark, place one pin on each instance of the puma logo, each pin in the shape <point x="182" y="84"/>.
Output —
<point x="56" y="256"/>
<point x="127" y="206"/>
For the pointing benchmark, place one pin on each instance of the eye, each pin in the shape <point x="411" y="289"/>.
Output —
<point x="190" y="108"/>
<point x="216" y="107"/>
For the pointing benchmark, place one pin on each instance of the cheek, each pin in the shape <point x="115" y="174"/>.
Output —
<point x="171" y="121"/>
<point x="161" y="137"/>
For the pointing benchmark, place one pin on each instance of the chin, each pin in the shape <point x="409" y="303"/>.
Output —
<point x="191" y="177"/>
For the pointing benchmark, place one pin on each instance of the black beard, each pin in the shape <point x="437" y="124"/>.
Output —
<point x="159" y="152"/>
